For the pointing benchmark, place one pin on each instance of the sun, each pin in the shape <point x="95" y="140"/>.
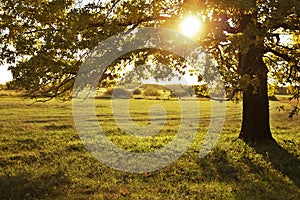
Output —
<point x="190" y="26"/>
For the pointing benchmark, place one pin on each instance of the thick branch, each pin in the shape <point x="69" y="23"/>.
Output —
<point x="287" y="26"/>
<point x="281" y="55"/>
<point x="229" y="98"/>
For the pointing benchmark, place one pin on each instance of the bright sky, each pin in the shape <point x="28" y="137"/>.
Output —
<point x="185" y="80"/>
<point x="5" y="75"/>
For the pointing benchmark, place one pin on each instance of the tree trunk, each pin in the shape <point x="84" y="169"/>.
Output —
<point x="255" y="124"/>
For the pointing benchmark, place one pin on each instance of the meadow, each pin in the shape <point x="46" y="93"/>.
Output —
<point x="43" y="157"/>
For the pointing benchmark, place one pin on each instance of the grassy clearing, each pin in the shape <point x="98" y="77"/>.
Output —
<point x="42" y="156"/>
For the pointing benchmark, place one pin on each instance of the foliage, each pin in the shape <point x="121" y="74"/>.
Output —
<point x="137" y="91"/>
<point x="201" y="90"/>
<point x="151" y="91"/>
<point x="3" y="87"/>
<point x="272" y="90"/>
<point x="165" y="91"/>
<point x="155" y="86"/>
<point x="117" y="93"/>
<point x="180" y="90"/>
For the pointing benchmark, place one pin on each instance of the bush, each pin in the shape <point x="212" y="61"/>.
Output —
<point x="272" y="98"/>
<point x="150" y="91"/>
<point x="137" y="91"/>
<point x="117" y="93"/>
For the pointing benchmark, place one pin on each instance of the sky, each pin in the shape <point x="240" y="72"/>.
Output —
<point x="185" y="80"/>
<point x="5" y="75"/>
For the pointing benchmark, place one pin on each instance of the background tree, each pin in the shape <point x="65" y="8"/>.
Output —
<point x="44" y="43"/>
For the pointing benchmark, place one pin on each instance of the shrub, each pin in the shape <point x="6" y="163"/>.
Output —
<point x="118" y="93"/>
<point x="150" y="91"/>
<point x="137" y="91"/>
<point x="272" y="98"/>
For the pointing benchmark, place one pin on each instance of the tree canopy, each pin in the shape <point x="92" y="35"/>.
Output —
<point x="45" y="41"/>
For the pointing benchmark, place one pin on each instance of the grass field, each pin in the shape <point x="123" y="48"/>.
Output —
<point x="42" y="156"/>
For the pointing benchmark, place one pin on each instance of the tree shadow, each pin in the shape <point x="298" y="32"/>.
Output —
<point x="29" y="186"/>
<point x="282" y="160"/>
<point x="254" y="171"/>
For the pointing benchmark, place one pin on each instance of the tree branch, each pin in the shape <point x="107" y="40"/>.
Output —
<point x="281" y="55"/>
<point x="229" y="98"/>
<point x="286" y="26"/>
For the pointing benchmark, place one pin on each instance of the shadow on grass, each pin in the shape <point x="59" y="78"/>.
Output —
<point x="282" y="160"/>
<point x="26" y="186"/>
<point x="254" y="171"/>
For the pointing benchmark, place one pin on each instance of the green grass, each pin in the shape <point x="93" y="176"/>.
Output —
<point x="42" y="156"/>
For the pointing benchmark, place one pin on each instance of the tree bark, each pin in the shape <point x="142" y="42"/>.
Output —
<point x="255" y="121"/>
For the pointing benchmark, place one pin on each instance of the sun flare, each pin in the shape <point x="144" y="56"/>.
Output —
<point x="190" y="26"/>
